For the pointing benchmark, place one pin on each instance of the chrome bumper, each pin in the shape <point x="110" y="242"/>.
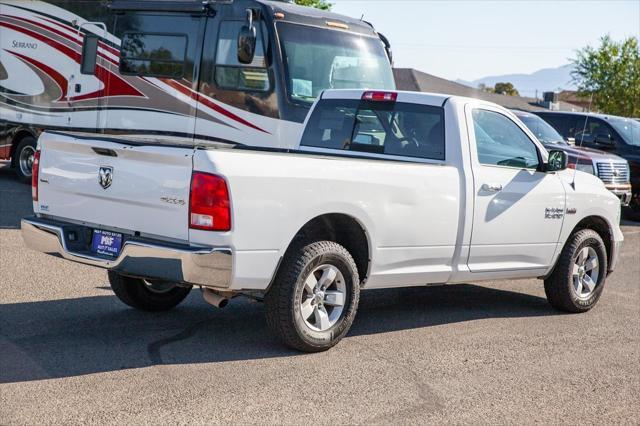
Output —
<point x="623" y="193"/>
<point x="206" y="266"/>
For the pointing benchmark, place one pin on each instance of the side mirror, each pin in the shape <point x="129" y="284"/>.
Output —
<point x="247" y="40"/>
<point x="604" y="138"/>
<point x="558" y="160"/>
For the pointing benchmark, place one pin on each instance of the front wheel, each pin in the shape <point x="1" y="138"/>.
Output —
<point x="314" y="298"/>
<point x="147" y="295"/>
<point x="577" y="281"/>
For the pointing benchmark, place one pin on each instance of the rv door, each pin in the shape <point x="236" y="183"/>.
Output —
<point x="87" y="81"/>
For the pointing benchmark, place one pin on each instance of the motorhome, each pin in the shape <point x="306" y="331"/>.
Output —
<point x="240" y="71"/>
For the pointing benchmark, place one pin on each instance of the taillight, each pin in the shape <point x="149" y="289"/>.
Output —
<point x="209" y="206"/>
<point x="35" y="171"/>
<point x="380" y="96"/>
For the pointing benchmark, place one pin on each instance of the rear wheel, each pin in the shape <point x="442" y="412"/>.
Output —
<point x="579" y="276"/>
<point x="23" y="158"/>
<point x="147" y="295"/>
<point x="314" y="298"/>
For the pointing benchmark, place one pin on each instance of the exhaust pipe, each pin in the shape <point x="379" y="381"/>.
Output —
<point x="214" y="298"/>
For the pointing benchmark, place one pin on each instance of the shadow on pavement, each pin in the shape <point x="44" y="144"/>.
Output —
<point x="71" y="337"/>
<point x="15" y="199"/>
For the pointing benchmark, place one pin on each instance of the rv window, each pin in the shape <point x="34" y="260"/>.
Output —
<point x="89" y="54"/>
<point x="153" y="54"/>
<point x="230" y="73"/>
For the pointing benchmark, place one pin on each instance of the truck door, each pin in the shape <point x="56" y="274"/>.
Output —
<point x="84" y="85"/>
<point x="518" y="210"/>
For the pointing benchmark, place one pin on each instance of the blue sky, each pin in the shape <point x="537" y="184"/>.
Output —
<point x="469" y="39"/>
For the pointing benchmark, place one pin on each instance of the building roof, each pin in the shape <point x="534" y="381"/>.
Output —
<point x="411" y="79"/>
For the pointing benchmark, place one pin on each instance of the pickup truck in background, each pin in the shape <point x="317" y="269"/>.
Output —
<point x="611" y="169"/>
<point x="610" y="133"/>
<point x="384" y="189"/>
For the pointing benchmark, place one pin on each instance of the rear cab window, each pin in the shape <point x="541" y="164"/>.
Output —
<point x="388" y="129"/>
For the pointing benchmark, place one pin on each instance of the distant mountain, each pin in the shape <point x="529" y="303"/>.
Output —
<point x="545" y="80"/>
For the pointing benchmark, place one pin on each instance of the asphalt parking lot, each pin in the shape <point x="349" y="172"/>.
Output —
<point x="494" y="352"/>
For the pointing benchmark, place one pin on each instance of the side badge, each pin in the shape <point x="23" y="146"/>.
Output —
<point x="553" y="213"/>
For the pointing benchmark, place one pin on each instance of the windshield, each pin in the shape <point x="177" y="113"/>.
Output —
<point x="543" y="130"/>
<point x="628" y="128"/>
<point x="317" y="59"/>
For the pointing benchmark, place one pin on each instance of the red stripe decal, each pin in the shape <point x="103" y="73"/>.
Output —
<point x="59" y="46"/>
<point x="67" y="36"/>
<point x="200" y="98"/>
<point x="113" y="84"/>
<point x="105" y="46"/>
<point x="60" y="80"/>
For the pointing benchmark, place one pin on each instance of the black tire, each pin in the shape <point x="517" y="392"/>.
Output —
<point x="282" y="301"/>
<point x="26" y="146"/>
<point x="138" y="294"/>
<point x="559" y="286"/>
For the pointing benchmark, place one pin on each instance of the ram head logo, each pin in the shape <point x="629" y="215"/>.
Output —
<point x="105" y="176"/>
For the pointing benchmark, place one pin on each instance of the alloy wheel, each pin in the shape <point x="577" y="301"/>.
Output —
<point x="323" y="298"/>
<point x="586" y="270"/>
<point x="25" y="161"/>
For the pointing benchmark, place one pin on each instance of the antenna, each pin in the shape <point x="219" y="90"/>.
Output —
<point x="584" y="129"/>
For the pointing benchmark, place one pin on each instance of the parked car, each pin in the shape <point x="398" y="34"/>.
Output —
<point x="589" y="160"/>
<point x="243" y="71"/>
<point x="384" y="189"/>
<point x="617" y="135"/>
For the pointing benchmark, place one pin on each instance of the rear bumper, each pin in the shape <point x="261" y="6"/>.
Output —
<point x="205" y="266"/>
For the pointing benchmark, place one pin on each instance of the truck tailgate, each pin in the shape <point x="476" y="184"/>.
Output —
<point x="147" y="191"/>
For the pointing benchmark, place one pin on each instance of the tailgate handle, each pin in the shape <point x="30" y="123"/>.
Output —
<point x="104" y="151"/>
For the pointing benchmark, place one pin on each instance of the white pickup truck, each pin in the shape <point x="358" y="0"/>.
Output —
<point x="386" y="189"/>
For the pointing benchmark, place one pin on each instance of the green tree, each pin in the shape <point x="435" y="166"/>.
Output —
<point x="610" y="75"/>
<point x="500" y="89"/>
<point x="320" y="4"/>
<point x="505" y="89"/>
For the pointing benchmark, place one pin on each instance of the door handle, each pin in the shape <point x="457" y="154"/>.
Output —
<point x="491" y="187"/>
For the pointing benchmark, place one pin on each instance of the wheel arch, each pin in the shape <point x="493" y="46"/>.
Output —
<point x="602" y="227"/>
<point x="343" y="229"/>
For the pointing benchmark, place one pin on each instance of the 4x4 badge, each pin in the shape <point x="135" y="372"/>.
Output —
<point x="105" y="176"/>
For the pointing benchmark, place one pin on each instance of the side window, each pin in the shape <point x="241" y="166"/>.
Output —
<point x="577" y="127"/>
<point x="153" y="54"/>
<point x="500" y="142"/>
<point x="400" y="129"/>
<point x="89" y="54"/>
<point x="558" y="123"/>
<point x="229" y="72"/>
<point x="595" y="128"/>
